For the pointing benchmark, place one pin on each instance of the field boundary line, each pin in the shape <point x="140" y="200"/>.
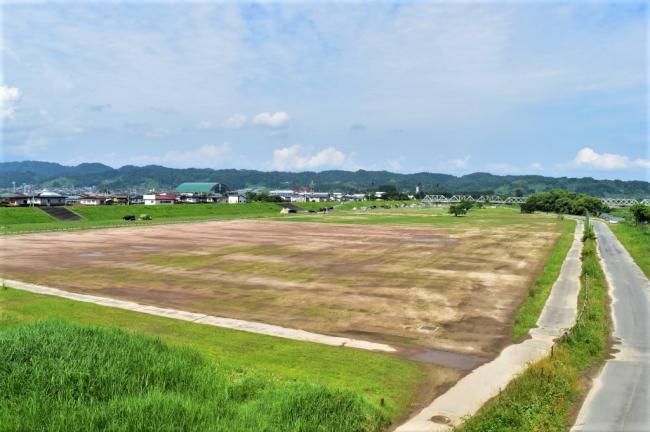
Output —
<point x="199" y="318"/>
<point x="471" y="392"/>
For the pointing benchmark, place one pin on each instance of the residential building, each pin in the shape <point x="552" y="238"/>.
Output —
<point x="236" y="198"/>
<point x="193" y="193"/>
<point x="47" y="199"/>
<point x="159" y="199"/>
<point x="14" y="199"/>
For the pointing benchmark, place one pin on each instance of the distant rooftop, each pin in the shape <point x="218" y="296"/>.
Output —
<point x="203" y="188"/>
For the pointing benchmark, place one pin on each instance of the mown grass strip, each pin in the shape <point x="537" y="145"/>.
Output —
<point x="636" y="239"/>
<point x="27" y="219"/>
<point x="60" y="376"/>
<point x="375" y="376"/>
<point x="545" y="395"/>
<point x="532" y="306"/>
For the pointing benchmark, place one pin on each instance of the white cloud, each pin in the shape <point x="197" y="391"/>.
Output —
<point x="205" y="156"/>
<point x="293" y="157"/>
<point x="235" y="121"/>
<point x="588" y="158"/>
<point x="8" y="98"/>
<point x="459" y="163"/>
<point x="501" y="168"/>
<point x="536" y="166"/>
<point x="206" y="124"/>
<point x="32" y="146"/>
<point x="642" y="163"/>
<point x="157" y="133"/>
<point x="278" y="120"/>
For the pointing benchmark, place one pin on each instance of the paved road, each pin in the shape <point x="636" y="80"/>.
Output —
<point x="620" y="397"/>
<point x="485" y="382"/>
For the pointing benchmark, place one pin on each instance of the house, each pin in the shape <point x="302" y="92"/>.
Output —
<point x="159" y="199"/>
<point x="94" y="200"/>
<point x="47" y="199"/>
<point x="14" y="199"/>
<point x="193" y="193"/>
<point x="72" y="199"/>
<point x="285" y="195"/>
<point x="236" y="198"/>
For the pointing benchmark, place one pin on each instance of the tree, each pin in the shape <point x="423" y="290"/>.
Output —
<point x="563" y="202"/>
<point x="640" y="213"/>
<point x="458" y="209"/>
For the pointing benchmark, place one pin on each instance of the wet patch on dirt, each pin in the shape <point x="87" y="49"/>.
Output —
<point x="454" y="360"/>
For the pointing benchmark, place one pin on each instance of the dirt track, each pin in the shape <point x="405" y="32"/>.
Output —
<point x="413" y="287"/>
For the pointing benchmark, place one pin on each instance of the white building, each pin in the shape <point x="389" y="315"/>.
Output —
<point x="236" y="198"/>
<point x="159" y="199"/>
<point x="47" y="199"/>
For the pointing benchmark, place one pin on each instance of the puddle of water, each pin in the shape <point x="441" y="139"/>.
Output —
<point x="430" y="240"/>
<point x="93" y="254"/>
<point x="448" y="359"/>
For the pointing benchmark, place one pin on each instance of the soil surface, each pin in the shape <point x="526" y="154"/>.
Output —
<point x="421" y="289"/>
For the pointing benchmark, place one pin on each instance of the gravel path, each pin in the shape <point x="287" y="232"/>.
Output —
<point x="620" y="397"/>
<point x="235" y="324"/>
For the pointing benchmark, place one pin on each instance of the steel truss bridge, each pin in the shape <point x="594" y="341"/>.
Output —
<point x="488" y="199"/>
<point x="496" y="199"/>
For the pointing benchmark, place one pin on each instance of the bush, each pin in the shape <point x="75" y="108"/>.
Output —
<point x="640" y="213"/>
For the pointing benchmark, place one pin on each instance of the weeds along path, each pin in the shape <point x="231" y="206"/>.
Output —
<point x="620" y="396"/>
<point x="474" y="390"/>
<point x="235" y="324"/>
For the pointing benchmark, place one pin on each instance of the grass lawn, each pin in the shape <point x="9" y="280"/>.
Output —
<point x="432" y="216"/>
<point x="636" y="239"/>
<point x="374" y="376"/>
<point x="60" y="376"/>
<point x="545" y="395"/>
<point x="532" y="306"/>
<point x="26" y="219"/>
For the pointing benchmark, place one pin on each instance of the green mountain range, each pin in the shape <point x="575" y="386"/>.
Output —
<point x="54" y="175"/>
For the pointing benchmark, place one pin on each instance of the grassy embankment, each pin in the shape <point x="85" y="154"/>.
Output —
<point x="636" y="239"/>
<point x="532" y="306"/>
<point x="238" y="354"/>
<point x="60" y="376"/>
<point x="26" y="219"/>
<point x="545" y="396"/>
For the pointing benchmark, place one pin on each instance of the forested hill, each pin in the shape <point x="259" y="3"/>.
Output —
<point x="53" y="175"/>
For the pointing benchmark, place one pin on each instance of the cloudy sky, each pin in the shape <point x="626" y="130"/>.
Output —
<point x="518" y="88"/>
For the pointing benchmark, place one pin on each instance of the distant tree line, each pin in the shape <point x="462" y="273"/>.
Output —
<point x="52" y="175"/>
<point x="563" y="202"/>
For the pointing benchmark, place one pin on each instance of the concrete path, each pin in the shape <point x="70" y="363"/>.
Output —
<point x="620" y="397"/>
<point x="235" y="324"/>
<point x="485" y="382"/>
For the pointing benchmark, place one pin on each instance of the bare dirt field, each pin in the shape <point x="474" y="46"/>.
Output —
<point x="418" y="288"/>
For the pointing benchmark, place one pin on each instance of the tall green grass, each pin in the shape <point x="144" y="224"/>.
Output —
<point x="532" y="306"/>
<point x="63" y="377"/>
<point x="636" y="239"/>
<point x="545" y="395"/>
<point x="388" y="382"/>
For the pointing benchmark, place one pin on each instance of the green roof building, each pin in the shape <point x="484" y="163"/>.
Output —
<point x="202" y="188"/>
<point x="201" y="192"/>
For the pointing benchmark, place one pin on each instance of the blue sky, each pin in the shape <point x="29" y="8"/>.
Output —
<point x="546" y="88"/>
